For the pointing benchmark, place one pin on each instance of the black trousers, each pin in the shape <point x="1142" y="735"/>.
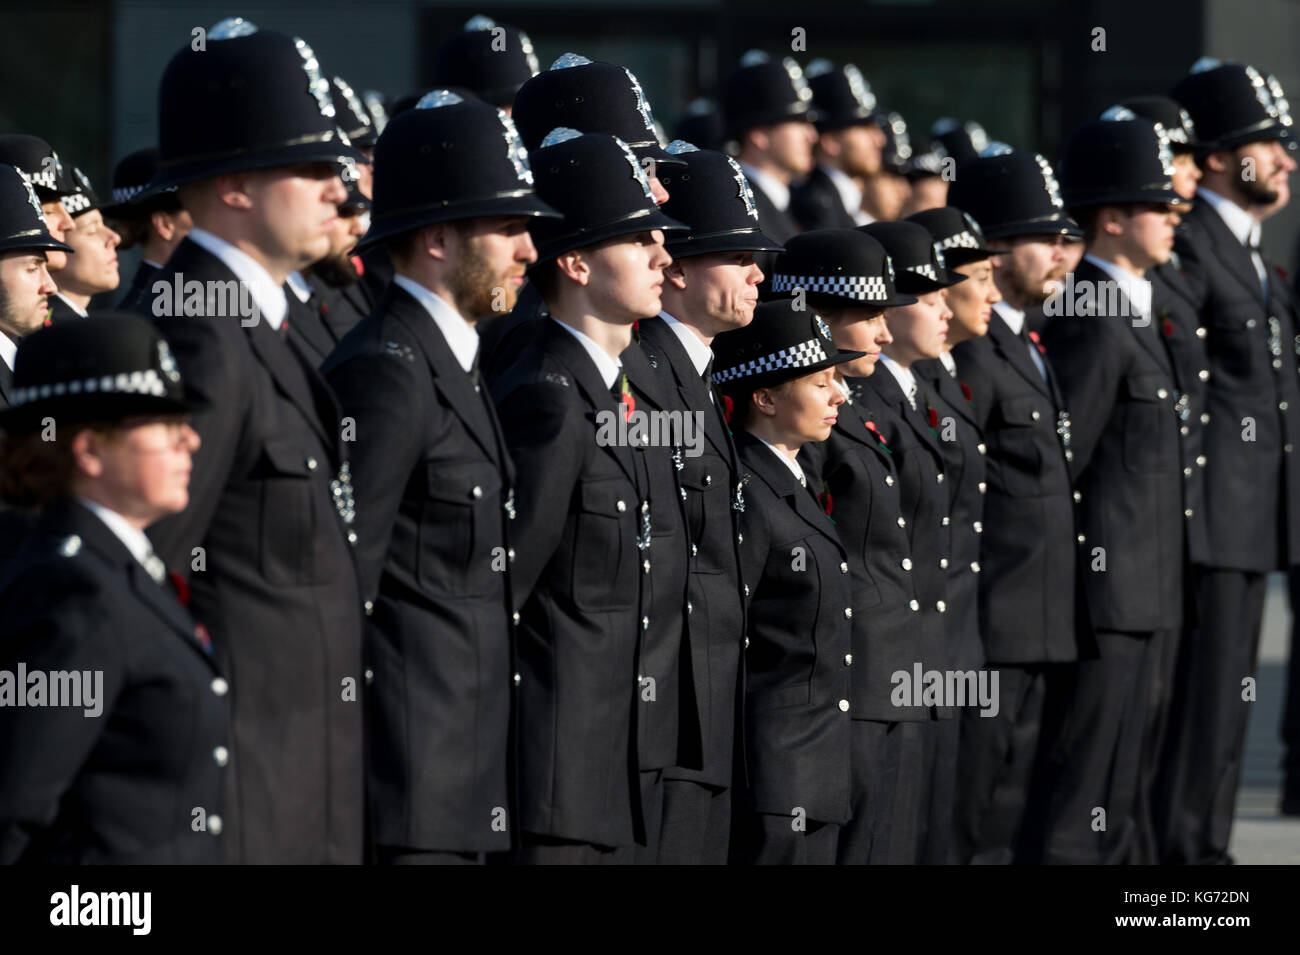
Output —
<point x="1165" y="645"/>
<point x="1291" y="709"/>
<point x="403" y="855"/>
<point x="765" y="839"/>
<point x="888" y="766"/>
<point x="696" y="826"/>
<point x="997" y="756"/>
<point x="1093" y="809"/>
<point x="652" y="811"/>
<point x="544" y="850"/>
<point x="1197" y="787"/>
<point x="940" y="769"/>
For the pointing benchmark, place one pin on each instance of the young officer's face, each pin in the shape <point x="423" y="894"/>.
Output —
<point x="93" y="269"/>
<point x="58" y="222"/>
<point x="140" y="469"/>
<point x="971" y="302"/>
<point x="790" y="146"/>
<point x="1149" y="234"/>
<point x="720" y="289"/>
<point x="919" y="330"/>
<point x="627" y="276"/>
<point x="859" y="329"/>
<point x="25" y="287"/>
<point x="492" y="256"/>
<point x="805" y="409"/>
<point x="1186" y="175"/>
<point x="295" y="208"/>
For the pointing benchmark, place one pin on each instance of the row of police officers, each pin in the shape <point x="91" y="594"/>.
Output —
<point x="625" y="502"/>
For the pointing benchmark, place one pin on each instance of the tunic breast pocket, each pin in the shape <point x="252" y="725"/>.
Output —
<point x="290" y="522"/>
<point x="1147" y="401"/>
<point x="708" y="507"/>
<point x="1014" y="446"/>
<point x="454" y="555"/>
<point x="1231" y="340"/>
<point x="605" y="555"/>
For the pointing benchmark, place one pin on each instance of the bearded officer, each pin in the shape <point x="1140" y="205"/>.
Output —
<point x="431" y="465"/>
<point x="265" y="541"/>
<point x="1028" y="577"/>
<point x="848" y="149"/>
<point x="1116" y="374"/>
<point x="710" y="287"/>
<point x="1252" y="486"/>
<point x="583" y="537"/>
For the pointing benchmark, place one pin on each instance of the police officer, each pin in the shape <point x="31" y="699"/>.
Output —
<point x="1028" y="579"/>
<point x="93" y="270"/>
<point x="431" y="466"/>
<point x="43" y="168"/>
<point x="778" y="372"/>
<point x="767" y="105"/>
<point x="25" y="283"/>
<point x="122" y="774"/>
<point x="265" y="542"/>
<point x="1116" y="374"/>
<point x="492" y="60"/>
<point x="710" y="287"/>
<point x="886" y="192"/>
<point x="1252" y="487"/>
<point x="846" y="275"/>
<point x="583" y="534"/>
<point x="153" y="221"/>
<point x="848" y="149"/>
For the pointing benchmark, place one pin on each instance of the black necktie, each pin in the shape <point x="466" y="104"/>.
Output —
<point x="707" y="378"/>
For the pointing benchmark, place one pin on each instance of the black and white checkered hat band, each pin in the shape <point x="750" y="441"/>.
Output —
<point x="864" y="288"/>
<point x="78" y="202"/>
<point x="137" y="382"/>
<point x="46" y="177"/>
<point x="126" y="193"/>
<point x="962" y="240"/>
<point x="798" y="356"/>
<point x="927" y="270"/>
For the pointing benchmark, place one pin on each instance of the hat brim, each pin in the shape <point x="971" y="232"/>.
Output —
<point x="35" y="243"/>
<point x="76" y="409"/>
<point x="790" y="114"/>
<point x="964" y="256"/>
<point x="913" y="283"/>
<point x="405" y="221"/>
<point x="656" y="152"/>
<point x="1262" y="132"/>
<point x="192" y="170"/>
<point x="769" y="378"/>
<point x="744" y="240"/>
<point x="1166" y="197"/>
<point x="569" y="241"/>
<point x="1057" y="224"/>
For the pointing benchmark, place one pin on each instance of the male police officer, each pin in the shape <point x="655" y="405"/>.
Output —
<point x="43" y="168"/>
<point x="431" y="466"/>
<point x="25" y="283"/>
<point x="848" y="149"/>
<point x="1252" y="481"/>
<point x="93" y="269"/>
<point x="154" y="221"/>
<point x="583" y="537"/>
<point x="492" y="60"/>
<point x="265" y="540"/>
<point x="710" y="287"/>
<point x="1116" y="373"/>
<point x="1027" y="565"/>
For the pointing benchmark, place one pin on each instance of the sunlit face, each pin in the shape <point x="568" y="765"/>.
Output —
<point x="1025" y="276"/>
<point x="801" y="410"/>
<point x="490" y="258"/>
<point x="627" y="276"/>
<point x="919" y="330"/>
<point x="717" y="292"/>
<point x="295" y="208"/>
<point x="858" y="329"/>
<point x="93" y="269"/>
<point x="140" y="469"/>
<point x="884" y="195"/>
<point x="25" y="288"/>
<point x="1186" y="175"/>
<point x="790" y="146"/>
<point x="927" y="192"/>
<point x="971" y="302"/>
<point x="1148" y="233"/>
<point x="1262" y="170"/>
<point x="857" y="149"/>
<point x="58" y="222"/>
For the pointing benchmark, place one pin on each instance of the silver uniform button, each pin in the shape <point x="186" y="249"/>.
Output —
<point x="975" y="567"/>
<point x="941" y="607"/>
<point x="848" y="612"/>
<point x="907" y="563"/>
<point x="902" y="522"/>
<point x="219" y="686"/>
<point x="683" y="493"/>
<point x="1184" y="431"/>
<point x="844" y="706"/>
<point x="368" y="607"/>
<point x="1161" y="393"/>
<point x="311" y="464"/>
<point x="645" y="566"/>
<point x="514" y="617"/>
<point x="1277" y="363"/>
<point x="477" y="492"/>
<point x="510" y="554"/>
<point x="746" y="586"/>
<point x="221" y="755"/>
<point x="981" y="447"/>
<point x="1251" y="323"/>
<point x="943" y="563"/>
<point x="1187" y="472"/>
<point x="1082" y="538"/>
<point x="370" y="676"/>
<point x="1035" y="414"/>
<point x="979" y="527"/>
<point x="1204" y="373"/>
<point x="1077" y="497"/>
<point x="747" y="643"/>
<point x="914" y="604"/>
<point x="1200" y="460"/>
<point x="1200" y="331"/>
<point x="352" y="537"/>
<point x="1069" y="455"/>
<point x="516" y="679"/>
<point x="939" y="478"/>
<point x="844" y="568"/>
<point x="1187" y="513"/>
<point x="708" y="479"/>
<point x="740" y="538"/>
<point x="215" y="824"/>
<point x="1205" y="417"/>
<point x="946" y="521"/>
<point x="645" y="623"/>
<point x="690" y="608"/>
<point x="889" y="480"/>
<point x="983" y="487"/>
<point x="1281" y="406"/>
<point x="620" y="506"/>
<point x="848" y="659"/>
<point x="694" y="550"/>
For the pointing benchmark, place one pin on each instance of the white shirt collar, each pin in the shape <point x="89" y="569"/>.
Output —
<point x="1014" y="318"/>
<point x="699" y="353"/>
<point x="134" y="540"/>
<point x="950" y="363"/>
<point x="298" y="285"/>
<point x="607" y="366"/>
<point x="267" y="295"/>
<point x="850" y="193"/>
<point x="462" y="338"/>
<point x="72" y="305"/>
<point x="772" y="187"/>
<point x="793" y="466"/>
<point x="8" y="349"/>
<point x="1135" y="288"/>
<point x="906" y="380"/>
<point x="844" y="389"/>
<point x="1239" y="222"/>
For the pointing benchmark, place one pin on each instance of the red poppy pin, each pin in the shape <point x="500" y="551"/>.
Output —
<point x="728" y="406"/>
<point x="827" y="503"/>
<point x="1166" y="325"/>
<point x="965" y="390"/>
<point x="933" y="417"/>
<point x="182" y="588"/>
<point x="201" y="632"/>
<point x="1033" y="337"/>
<point x="1281" y="272"/>
<point x="628" y="401"/>
<point x="357" y="264"/>
<point x="871" y="426"/>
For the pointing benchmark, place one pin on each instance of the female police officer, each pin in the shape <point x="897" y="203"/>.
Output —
<point x="777" y="375"/>
<point x="113" y="733"/>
